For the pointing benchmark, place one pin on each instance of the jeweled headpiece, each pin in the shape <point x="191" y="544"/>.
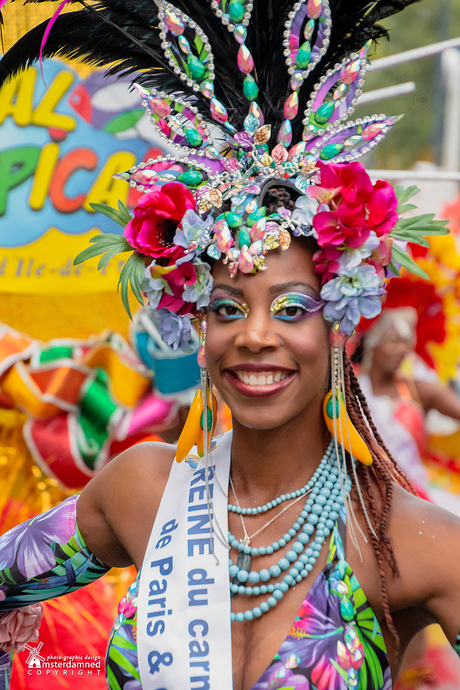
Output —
<point x="254" y="96"/>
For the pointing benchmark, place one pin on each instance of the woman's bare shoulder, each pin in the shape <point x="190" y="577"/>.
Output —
<point x="117" y="508"/>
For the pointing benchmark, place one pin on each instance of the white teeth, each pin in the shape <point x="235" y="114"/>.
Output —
<point x="261" y="379"/>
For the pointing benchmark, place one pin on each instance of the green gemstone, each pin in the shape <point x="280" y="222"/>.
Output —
<point x="303" y="56"/>
<point x="330" y="150"/>
<point x="254" y="217"/>
<point x="243" y="237"/>
<point x="330" y="409"/>
<point x="324" y="113"/>
<point x="192" y="178"/>
<point x="236" y="11"/>
<point x="262" y="149"/>
<point x="347" y="610"/>
<point x="193" y="136"/>
<point x="233" y="220"/>
<point x="196" y="67"/>
<point x="250" y="88"/>
<point x="209" y="419"/>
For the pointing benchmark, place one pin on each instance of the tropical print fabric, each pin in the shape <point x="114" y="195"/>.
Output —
<point x="335" y="642"/>
<point x="44" y="558"/>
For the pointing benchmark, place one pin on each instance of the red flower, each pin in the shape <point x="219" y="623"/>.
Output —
<point x="325" y="262"/>
<point x="357" y="206"/>
<point x="177" y="280"/>
<point x="156" y="218"/>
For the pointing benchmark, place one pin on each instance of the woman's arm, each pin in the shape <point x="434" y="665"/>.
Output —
<point x="436" y="396"/>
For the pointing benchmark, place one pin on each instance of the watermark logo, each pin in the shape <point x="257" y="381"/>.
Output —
<point x="34" y="660"/>
<point x="72" y="665"/>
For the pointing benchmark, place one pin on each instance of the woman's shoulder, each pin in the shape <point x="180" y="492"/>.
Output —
<point x="117" y="508"/>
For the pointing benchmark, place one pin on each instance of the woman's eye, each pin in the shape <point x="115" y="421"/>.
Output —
<point x="291" y="312"/>
<point x="295" y="306"/>
<point x="228" y="309"/>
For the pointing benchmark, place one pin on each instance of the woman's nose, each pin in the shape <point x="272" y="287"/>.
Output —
<point x="256" y="333"/>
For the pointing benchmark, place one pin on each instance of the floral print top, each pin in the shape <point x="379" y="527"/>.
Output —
<point x="335" y="642"/>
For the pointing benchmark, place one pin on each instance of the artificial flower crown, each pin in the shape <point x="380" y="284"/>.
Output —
<point x="207" y="201"/>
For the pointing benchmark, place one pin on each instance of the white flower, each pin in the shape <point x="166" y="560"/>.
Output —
<point x="351" y="258"/>
<point x="200" y="291"/>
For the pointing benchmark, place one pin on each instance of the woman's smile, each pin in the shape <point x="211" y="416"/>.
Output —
<point x="259" y="380"/>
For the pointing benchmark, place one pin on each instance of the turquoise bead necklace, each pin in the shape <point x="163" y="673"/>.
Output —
<point x="319" y="516"/>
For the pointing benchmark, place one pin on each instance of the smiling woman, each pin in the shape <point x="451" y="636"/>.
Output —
<point x="289" y="553"/>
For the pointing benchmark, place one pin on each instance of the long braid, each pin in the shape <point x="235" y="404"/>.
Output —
<point x="381" y="474"/>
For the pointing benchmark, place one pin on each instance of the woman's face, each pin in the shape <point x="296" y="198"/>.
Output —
<point x="389" y="355"/>
<point x="271" y="365"/>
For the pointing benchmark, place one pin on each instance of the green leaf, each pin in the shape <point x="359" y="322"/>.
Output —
<point x="407" y="261"/>
<point x="110" y="212"/>
<point x="104" y="260"/>
<point x="406" y="208"/>
<point x="101" y="244"/>
<point x="124" y="212"/>
<point x="403" y="195"/>
<point x="132" y="274"/>
<point x="411" y="236"/>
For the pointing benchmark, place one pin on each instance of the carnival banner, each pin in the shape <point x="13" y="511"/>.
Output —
<point x="61" y="141"/>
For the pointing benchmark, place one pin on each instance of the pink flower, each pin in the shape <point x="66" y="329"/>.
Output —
<point x="156" y="218"/>
<point x="381" y="256"/>
<point x="20" y="626"/>
<point x="177" y="280"/>
<point x="382" y="209"/>
<point x="326" y="264"/>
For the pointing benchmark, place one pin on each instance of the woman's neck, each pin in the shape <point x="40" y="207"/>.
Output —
<point x="269" y="462"/>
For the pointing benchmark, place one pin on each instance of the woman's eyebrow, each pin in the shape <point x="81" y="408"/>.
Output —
<point x="293" y="285"/>
<point x="236" y="292"/>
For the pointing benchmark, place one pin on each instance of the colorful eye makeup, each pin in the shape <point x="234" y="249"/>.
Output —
<point x="228" y="309"/>
<point x="295" y="306"/>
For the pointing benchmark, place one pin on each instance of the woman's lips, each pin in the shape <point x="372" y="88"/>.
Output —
<point x="256" y="382"/>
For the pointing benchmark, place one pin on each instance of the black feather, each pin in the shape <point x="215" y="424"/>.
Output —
<point x="123" y="35"/>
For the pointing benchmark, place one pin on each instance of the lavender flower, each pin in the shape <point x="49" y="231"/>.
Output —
<point x="351" y="258"/>
<point x="200" y="291"/>
<point x="194" y="235"/>
<point x="175" y="330"/>
<point x="351" y="296"/>
<point x="153" y="287"/>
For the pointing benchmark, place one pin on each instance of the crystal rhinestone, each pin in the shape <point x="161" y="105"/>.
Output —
<point x="353" y="141"/>
<point x="213" y="252"/>
<point x="284" y="239"/>
<point x="245" y="61"/>
<point x="340" y="92"/>
<point x="309" y="28"/>
<point x="174" y="24"/>
<point x="246" y="261"/>
<point x="215" y="197"/>
<point x="251" y="207"/>
<point x="196" y="67"/>
<point x="372" y="131"/>
<point x="159" y="107"/>
<point x="256" y="112"/>
<point x="343" y="656"/>
<point x="207" y="89"/>
<point x="347" y="610"/>
<point x="259" y="263"/>
<point x="250" y="88"/>
<point x="279" y="154"/>
<point x="256" y="247"/>
<point x="351" y="71"/>
<point x="251" y="123"/>
<point x="296" y="81"/>
<point x="351" y="639"/>
<point x="192" y="178"/>
<point x="244" y="238"/>
<point x="233" y="220"/>
<point x="258" y="230"/>
<point x="224" y="239"/>
<point x="330" y="150"/>
<point x="314" y="8"/>
<point x="193" y="136"/>
<point x="296" y="150"/>
<point x="285" y="133"/>
<point x="324" y="112"/>
<point x="236" y="10"/>
<point x="233" y="254"/>
<point x="266" y="160"/>
<point x="303" y="56"/>
<point x="184" y="45"/>
<point x="218" y="111"/>
<point x="263" y="134"/>
<point x="292" y="661"/>
<point x="309" y="132"/>
<point x="255" y="216"/>
<point x="291" y="107"/>
<point x="240" y="34"/>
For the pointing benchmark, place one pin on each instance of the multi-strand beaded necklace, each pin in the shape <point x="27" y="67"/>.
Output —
<point x="318" y="517"/>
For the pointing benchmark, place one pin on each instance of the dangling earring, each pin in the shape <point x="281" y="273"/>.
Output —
<point x="201" y="421"/>
<point x="338" y="420"/>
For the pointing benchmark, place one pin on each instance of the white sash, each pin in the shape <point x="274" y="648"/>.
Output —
<point x="183" y="615"/>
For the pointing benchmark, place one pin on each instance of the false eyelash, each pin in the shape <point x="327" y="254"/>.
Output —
<point x="220" y="302"/>
<point x="296" y="299"/>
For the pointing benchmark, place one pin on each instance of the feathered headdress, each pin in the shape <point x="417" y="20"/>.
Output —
<point x="255" y="97"/>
